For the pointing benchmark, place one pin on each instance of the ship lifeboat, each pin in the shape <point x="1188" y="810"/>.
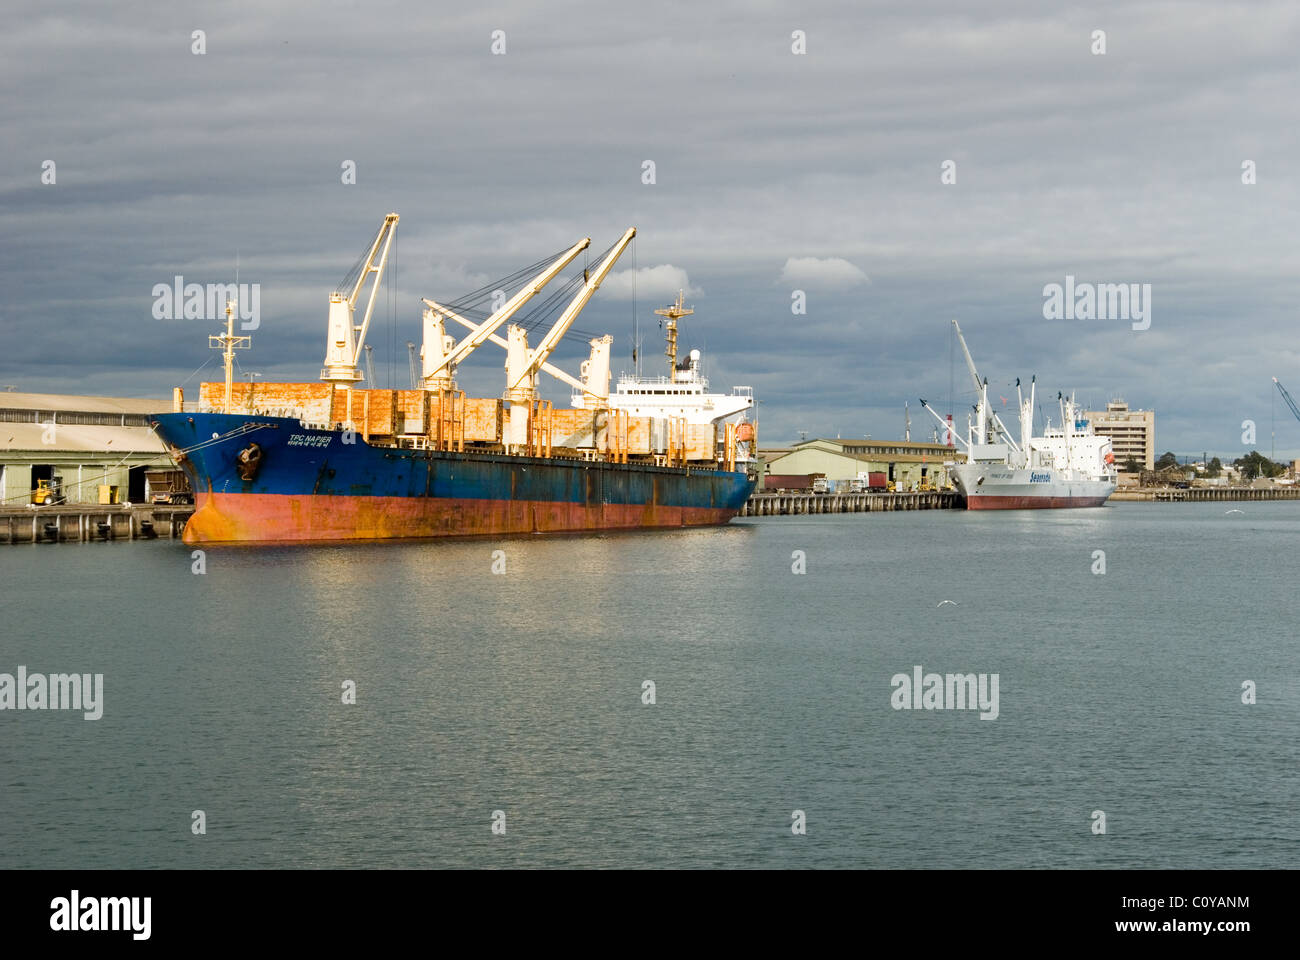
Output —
<point x="1110" y="457"/>
<point x="744" y="432"/>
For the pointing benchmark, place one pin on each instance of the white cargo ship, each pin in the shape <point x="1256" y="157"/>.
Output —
<point x="1068" y="466"/>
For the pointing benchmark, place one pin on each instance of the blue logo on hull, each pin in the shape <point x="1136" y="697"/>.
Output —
<point x="1040" y="478"/>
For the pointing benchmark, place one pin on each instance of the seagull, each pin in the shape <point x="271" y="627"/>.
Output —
<point x="1233" y="510"/>
<point x="942" y="602"/>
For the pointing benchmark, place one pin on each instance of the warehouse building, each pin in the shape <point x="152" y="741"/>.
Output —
<point x="1132" y="432"/>
<point x="907" y="464"/>
<point x="76" y="445"/>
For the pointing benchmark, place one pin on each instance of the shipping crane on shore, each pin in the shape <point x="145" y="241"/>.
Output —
<point x="1290" y="403"/>
<point x="1287" y="397"/>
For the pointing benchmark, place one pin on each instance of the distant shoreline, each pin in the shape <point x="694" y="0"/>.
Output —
<point x="1204" y="494"/>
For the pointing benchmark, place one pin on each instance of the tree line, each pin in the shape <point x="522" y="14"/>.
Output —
<point x="1251" y="466"/>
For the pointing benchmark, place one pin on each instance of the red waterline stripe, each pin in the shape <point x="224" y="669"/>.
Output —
<point x="1030" y="503"/>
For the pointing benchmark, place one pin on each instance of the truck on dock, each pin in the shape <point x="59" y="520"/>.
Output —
<point x="870" y="481"/>
<point x="792" y="482"/>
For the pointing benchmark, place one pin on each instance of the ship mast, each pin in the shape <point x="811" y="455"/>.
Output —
<point x="229" y="343"/>
<point x="673" y="312"/>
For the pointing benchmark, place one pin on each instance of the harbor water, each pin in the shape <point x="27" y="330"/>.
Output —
<point x="501" y="714"/>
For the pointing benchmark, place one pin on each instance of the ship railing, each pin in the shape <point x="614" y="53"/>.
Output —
<point x="683" y="379"/>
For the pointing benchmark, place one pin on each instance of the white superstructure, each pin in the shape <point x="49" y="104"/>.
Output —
<point x="682" y="395"/>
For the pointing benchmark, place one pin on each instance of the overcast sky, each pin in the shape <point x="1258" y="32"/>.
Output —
<point x="774" y="172"/>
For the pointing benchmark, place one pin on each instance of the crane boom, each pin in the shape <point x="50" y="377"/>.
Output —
<point x="970" y="364"/>
<point x="946" y="424"/>
<point x="389" y="227"/>
<point x="553" y="336"/>
<point x="554" y="371"/>
<point x="484" y="330"/>
<point x="1287" y="397"/>
<point x="346" y="340"/>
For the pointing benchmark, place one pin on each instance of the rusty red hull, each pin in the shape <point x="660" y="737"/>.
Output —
<point x="225" y="517"/>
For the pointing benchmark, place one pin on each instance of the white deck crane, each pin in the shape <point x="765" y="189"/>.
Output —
<point x="345" y="339"/>
<point x="946" y="424"/>
<point x="1026" y="413"/>
<point x="528" y="366"/>
<point x="522" y="364"/>
<point x="989" y="423"/>
<point x="440" y="351"/>
<point x="589" y="385"/>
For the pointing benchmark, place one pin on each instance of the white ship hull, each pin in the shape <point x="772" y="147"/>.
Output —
<point x="996" y="486"/>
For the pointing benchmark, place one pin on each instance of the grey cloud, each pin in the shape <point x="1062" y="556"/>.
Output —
<point x="1123" y="168"/>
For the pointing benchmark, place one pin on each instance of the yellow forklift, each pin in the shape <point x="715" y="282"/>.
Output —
<point x="48" y="491"/>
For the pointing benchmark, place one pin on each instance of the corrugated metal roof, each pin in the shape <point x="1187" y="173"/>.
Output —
<point x="68" y="401"/>
<point x="948" y="454"/>
<point x="28" y="437"/>
<point x="864" y="442"/>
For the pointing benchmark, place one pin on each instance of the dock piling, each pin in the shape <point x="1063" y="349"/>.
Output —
<point x="797" y="504"/>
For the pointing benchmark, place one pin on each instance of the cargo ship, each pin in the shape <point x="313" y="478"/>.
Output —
<point x="1068" y="466"/>
<point x="333" y="460"/>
